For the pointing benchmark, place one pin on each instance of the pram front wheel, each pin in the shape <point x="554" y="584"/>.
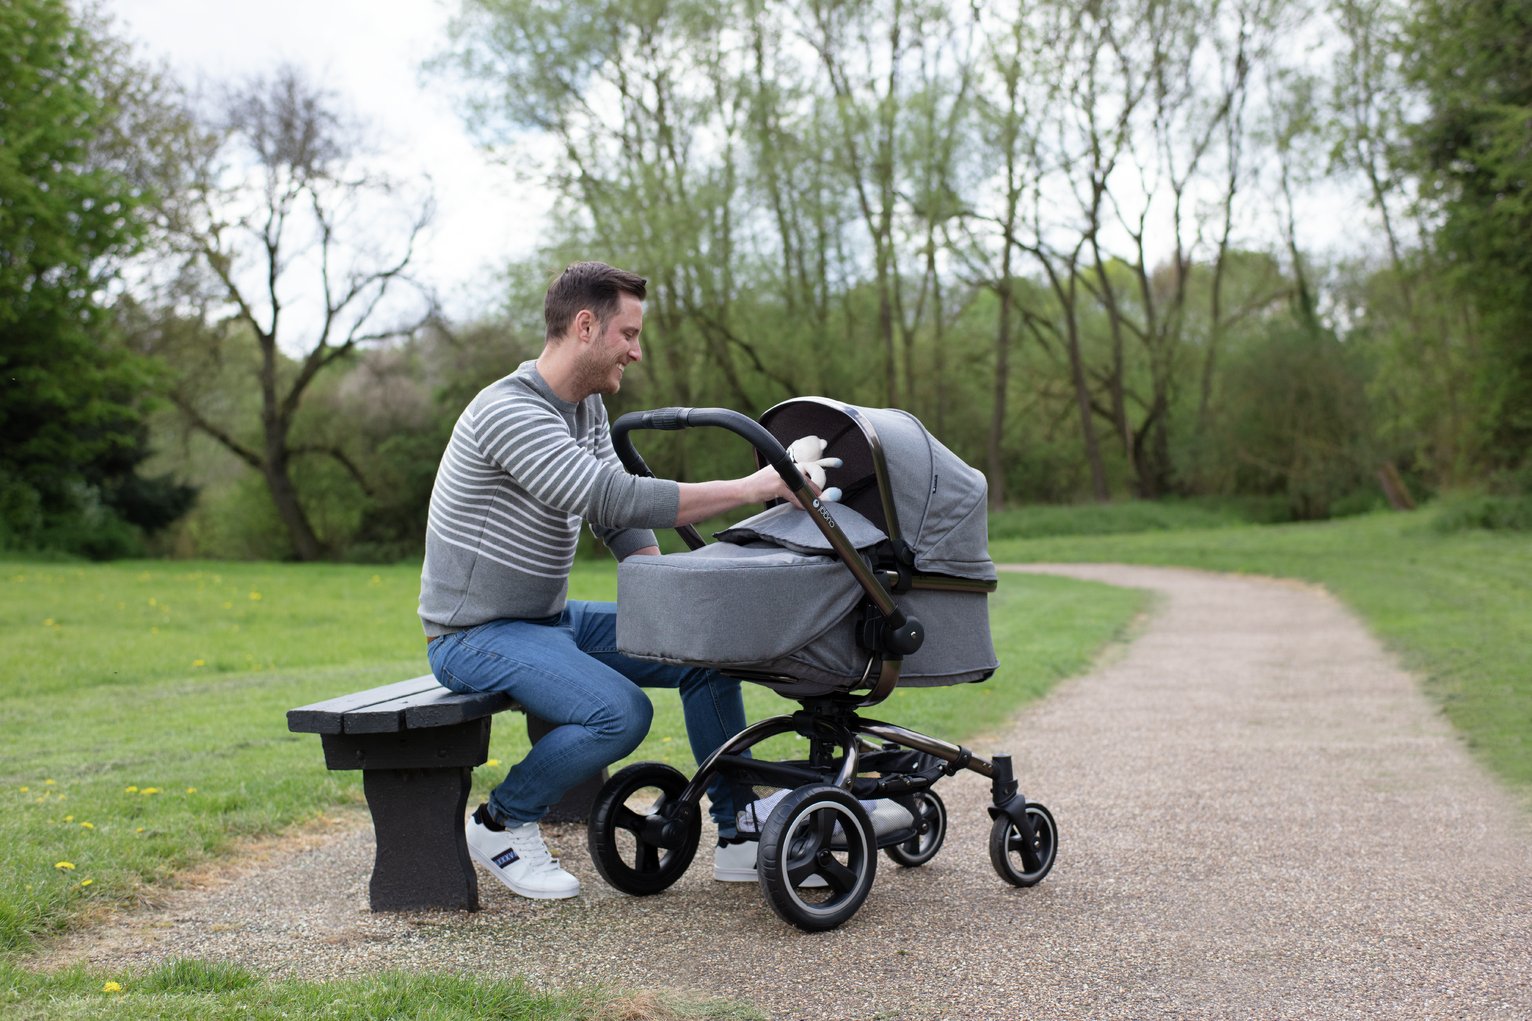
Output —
<point x="817" y="830"/>
<point x="930" y="831"/>
<point x="1021" y="862"/>
<point x="640" y="842"/>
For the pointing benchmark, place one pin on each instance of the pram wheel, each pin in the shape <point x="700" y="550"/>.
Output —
<point x="1018" y="862"/>
<point x="930" y="831"/>
<point x="628" y="824"/>
<point x="817" y="830"/>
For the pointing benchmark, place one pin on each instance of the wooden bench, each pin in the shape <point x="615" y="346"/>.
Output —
<point x="416" y="744"/>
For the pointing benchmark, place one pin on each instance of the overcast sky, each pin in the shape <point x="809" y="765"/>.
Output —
<point x="369" y="52"/>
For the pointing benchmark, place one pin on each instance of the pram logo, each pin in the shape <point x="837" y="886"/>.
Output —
<point x="824" y="513"/>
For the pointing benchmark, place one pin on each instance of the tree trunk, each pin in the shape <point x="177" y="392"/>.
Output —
<point x="284" y="496"/>
<point x="993" y="452"/>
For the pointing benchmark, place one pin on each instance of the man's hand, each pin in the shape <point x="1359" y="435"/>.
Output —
<point x="703" y="500"/>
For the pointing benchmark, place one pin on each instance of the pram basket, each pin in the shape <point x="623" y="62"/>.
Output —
<point x="833" y="605"/>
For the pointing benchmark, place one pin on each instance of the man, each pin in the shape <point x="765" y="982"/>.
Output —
<point x="528" y="460"/>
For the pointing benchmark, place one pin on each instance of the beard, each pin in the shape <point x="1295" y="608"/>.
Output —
<point x="597" y="371"/>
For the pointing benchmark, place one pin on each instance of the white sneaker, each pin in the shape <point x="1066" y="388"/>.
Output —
<point x="734" y="862"/>
<point x="886" y="814"/>
<point x="517" y="856"/>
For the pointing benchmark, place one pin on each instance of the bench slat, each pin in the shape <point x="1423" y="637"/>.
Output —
<point x="447" y="708"/>
<point x="434" y="707"/>
<point x="328" y="717"/>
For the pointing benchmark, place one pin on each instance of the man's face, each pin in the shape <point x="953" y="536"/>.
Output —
<point x="608" y="348"/>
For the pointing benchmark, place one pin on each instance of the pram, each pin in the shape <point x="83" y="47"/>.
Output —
<point x="834" y="606"/>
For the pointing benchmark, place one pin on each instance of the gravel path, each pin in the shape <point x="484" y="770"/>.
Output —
<point x="1259" y="816"/>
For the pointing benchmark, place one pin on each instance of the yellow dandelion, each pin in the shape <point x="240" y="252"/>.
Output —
<point x="86" y="882"/>
<point x="69" y="818"/>
<point x="153" y="601"/>
<point x="112" y="987"/>
<point x="26" y="790"/>
<point x="199" y="662"/>
<point x="48" y="622"/>
<point x="255" y="597"/>
<point x="492" y="762"/>
<point x="149" y="790"/>
<point x="130" y="789"/>
<point x="191" y="790"/>
<point x="87" y="825"/>
<point x="375" y="580"/>
<point x="139" y="830"/>
<point x="64" y="866"/>
<point x="47" y="783"/>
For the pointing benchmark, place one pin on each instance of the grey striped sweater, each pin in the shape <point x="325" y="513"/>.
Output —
<point x="522" y="469"/>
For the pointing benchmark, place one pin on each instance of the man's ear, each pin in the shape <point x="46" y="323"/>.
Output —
<point x="584" y="324"/>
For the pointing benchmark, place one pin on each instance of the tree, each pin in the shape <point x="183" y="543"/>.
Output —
<point x="1473" y="64"/>
<point x="72" y="398"/>
<point x="305" y="258"/>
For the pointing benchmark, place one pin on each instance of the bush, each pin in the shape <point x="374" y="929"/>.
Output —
<point x="1487" y="512"/>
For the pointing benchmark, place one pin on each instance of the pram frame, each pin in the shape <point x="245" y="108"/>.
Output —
<point x="907" y="762"/>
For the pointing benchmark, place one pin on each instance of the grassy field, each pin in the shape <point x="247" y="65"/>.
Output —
<point x="142" y="730"/>
<point x="1456" y="607"/>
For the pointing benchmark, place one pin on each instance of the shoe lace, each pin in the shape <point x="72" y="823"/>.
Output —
<point x="531" y="849"/>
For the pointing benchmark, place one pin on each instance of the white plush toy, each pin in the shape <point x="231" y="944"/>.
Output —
<point x="808" y="453"/>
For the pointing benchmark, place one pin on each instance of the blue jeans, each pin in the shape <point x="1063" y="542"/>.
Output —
<point x="567" y="670"/>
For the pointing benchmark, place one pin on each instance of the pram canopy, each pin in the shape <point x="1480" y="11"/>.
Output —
<point x="771" y="600"/>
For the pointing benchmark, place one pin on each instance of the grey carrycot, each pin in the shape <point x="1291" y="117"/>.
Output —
<point x="833" y="606"/>
<point x="771" y="601"/>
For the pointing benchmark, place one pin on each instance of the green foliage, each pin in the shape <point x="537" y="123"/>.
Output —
<point x="1473" y="63"/>
<point x="1295" y="420"/>
<point x="72" y="398"/>
<point x="1461" y="513"/>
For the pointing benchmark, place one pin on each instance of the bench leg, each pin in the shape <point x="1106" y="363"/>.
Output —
<point x="422" y="855"/>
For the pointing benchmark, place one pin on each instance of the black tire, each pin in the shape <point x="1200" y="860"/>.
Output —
<point x="625" y="843"/>
<point x="798" y="842"/>
<point x="930" y="831"/>
<point x="1018" y="863"/>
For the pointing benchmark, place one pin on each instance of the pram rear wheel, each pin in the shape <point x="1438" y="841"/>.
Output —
<point x="1021" y="862"/>
<point x="818" y="830"/>
<point x="639" y="841"/>
<point x="930" y="831"/>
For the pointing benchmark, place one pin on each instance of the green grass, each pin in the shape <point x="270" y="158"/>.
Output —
<point x="1456" y="607"/>
<point x="142" y="726"/>
<point x="197" y="990"/>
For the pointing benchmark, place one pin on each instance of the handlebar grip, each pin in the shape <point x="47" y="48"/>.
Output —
<point x="666" y="419"/>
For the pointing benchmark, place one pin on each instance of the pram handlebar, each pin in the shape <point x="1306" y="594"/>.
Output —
<point x="899" y="634"/>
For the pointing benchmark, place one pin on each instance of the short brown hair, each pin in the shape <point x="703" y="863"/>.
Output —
<point x="592" y="285"/>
